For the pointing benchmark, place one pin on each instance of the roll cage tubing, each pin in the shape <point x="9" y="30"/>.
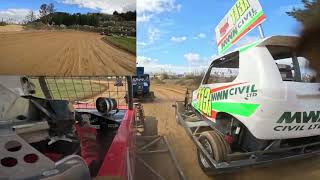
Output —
<point x="294" y="57"/>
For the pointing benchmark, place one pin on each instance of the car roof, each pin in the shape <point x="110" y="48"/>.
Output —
<point x="288" y="41"/>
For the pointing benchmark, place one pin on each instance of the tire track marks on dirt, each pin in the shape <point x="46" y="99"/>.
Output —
<point x="78" y="53"/>
<point x="183" y="147"/>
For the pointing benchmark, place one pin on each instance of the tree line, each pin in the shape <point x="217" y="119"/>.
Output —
<point x="90" y="19"/>
<point x="62" y="18"/>
<point x="48" y="15"/>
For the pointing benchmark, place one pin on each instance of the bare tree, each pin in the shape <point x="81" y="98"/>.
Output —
<point x="31" y="17"/>
<point x="51" y="10"/>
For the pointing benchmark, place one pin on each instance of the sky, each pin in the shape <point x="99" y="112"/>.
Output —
<point x="18" y="9"/>
<point x="172" y="35"/>
<point x="178" y="36"/>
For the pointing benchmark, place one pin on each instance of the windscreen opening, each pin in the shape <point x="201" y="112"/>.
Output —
<point x="293" y="66"/>
<point x="223" y="70"/>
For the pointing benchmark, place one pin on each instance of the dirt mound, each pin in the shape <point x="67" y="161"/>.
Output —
<point x="62" y="53"/>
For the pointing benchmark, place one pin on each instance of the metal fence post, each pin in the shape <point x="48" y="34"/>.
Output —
<point x="130" y="93"/>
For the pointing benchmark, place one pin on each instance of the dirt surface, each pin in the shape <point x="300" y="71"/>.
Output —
<point x="62" y="53"/>
<point x="185" y="150"/>
<point x="10" y="28"/>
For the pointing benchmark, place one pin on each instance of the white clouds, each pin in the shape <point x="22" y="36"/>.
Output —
<point x="104" y="6"/>
<point x="146" y="9"/>
<point x="144" y="18"/>
<point x="150" y="64"/>
<point x="153" y="66"/>
<point x="192" y="57"/>
<point x="200" y="36"/>
<point x="139" y="43"/>
<point x="153" y="34"/>
<point x="14" y="15"/>
<point x="246" y="40"/>
<point x="197" y="64"/>
<point x="178" y="39"/>
<point x="196" y="60"/>
<point x="157" y="6"/>
<point x="145" y="61"/>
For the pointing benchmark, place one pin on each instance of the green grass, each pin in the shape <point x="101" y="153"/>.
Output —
<point x="70" y="89"/>
<point x="126" y="43"/>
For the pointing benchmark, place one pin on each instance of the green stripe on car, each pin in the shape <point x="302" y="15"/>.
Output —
<point x="242" y="109"/>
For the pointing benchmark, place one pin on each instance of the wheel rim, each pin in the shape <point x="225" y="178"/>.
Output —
<point x="207" y="146"/>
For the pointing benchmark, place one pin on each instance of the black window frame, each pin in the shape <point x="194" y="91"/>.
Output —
<point x="217" y="63"/>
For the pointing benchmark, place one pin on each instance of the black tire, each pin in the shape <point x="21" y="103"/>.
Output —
<point x="226" y="146"/>
<point x="215" y="147"/>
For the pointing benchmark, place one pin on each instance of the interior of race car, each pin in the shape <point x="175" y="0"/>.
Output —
<point x="56" y="136"/>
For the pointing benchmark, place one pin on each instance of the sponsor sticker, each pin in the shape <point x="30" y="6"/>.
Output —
<point x="298" y="121"/>
<point x="210" y="101"/>
<point x="244" y="16"/>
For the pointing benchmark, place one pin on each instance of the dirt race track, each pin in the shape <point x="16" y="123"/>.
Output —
<point x="11" y="28"/>
<point x="67" y="53"/>
<point x="185" y="150"/>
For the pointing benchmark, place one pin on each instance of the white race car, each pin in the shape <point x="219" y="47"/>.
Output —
<point x="257" y="104"/>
